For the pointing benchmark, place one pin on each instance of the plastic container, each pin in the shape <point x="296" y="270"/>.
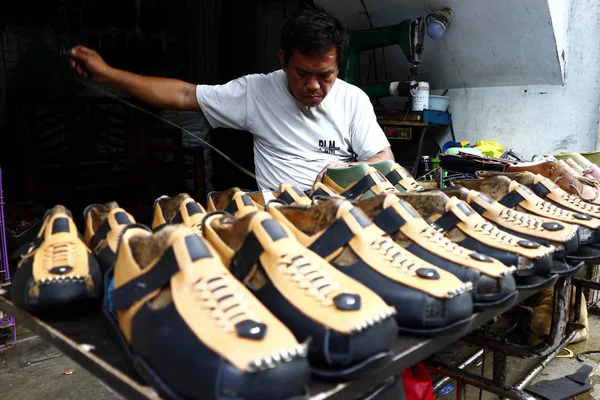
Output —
<point x="420" y="96"/>
<point x="438" y="103"/>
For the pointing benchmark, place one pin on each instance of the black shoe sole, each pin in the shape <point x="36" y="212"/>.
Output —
<point x="564" y="268"/>
<point x="508" y="299"/>
<point x="357" y="370"/>
<point x="536" y="282"/>
<point x="458" y="326"/>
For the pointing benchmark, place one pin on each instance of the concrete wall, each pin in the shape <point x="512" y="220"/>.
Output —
<point x="542" y="118"/>
<point x="488" y="43"/>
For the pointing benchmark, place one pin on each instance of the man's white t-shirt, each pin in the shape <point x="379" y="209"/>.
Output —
<point x="293" y="142"/>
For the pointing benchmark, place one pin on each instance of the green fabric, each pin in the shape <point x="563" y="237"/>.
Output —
<point x="346" y="175"/>
<point x="385" y="166"/>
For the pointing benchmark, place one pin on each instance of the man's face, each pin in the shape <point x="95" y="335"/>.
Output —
<point x="310" y="77"/>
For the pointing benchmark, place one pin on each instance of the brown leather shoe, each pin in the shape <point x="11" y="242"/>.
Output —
<point x="560" y="175"/>
<point x="180" y="209"/>
<point x="350" y="328"/>
<point x="399" y="219"/>
<point x="514" y="195"/>
<point x="58" y="272"/>
<point x="192" y="330"/>
<point x="343" y="235"/>
<point x="563" y="237"/>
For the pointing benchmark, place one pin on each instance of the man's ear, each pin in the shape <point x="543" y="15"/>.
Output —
<point x="281" y="55"/>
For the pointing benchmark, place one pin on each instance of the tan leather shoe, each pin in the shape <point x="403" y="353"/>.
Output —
<point x="547" y="190"/>
<point x="180" y="209"/>
<point x="287" y="193"/>
<point x="103" y="225"/>
<point x="398" y="176"/>
<point x="351" y="328"/>
<point x="399" y="219"/>
<point x="190" y="329"/>
<point x="344" y="236"/>
<point x="563" y="237"/>
<point x="234" y="201"/>
<point x="321" y="190"/>
<point x="58" y="272"/>
<point x="514" y="195"/>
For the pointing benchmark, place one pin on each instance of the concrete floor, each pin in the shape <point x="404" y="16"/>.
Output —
<point x="34" y="371"/>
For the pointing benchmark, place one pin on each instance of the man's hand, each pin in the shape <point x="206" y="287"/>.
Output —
<point x="87" y="63"/>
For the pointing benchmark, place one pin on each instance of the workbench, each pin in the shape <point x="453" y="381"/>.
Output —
<point x="399" y="129"/>
<point x="88" y="341"/>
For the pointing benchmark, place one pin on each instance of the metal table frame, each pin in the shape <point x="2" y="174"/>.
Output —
<point x="562" y="332"/>
<point x="88" y="341"/>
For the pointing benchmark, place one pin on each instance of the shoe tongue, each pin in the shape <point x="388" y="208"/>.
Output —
<point x="402" y="207"/>
<point x="191" y="212"/>
<point x="60" y="225"/>
<point x="523" y="190"/>
<point x="241" y="204"/>
<point x="118" y="217"/>
<point x="347" y="211"/>
<point x="293" y="195"/>
<point x="459" y="208"/>
<point x="60" y="221"/>
<point x="266" y="229"/>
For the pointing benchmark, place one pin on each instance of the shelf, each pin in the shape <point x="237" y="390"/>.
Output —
<point x="88" y="341"/>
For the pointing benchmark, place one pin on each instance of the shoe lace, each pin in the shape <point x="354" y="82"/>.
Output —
<point x="439" y="240"/>
<point x="550" y="208"/>
<point x="310" y="277"/>
<point x="520" y="219"/>
<point x="490" y="230"/>
<point x="578" y="202"/>
<point x="391" y="252"/>
<point x="60" y="254"/>
<point x="223" y="304"/>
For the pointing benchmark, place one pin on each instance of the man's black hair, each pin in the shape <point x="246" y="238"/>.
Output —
<point x="313" y="31"/>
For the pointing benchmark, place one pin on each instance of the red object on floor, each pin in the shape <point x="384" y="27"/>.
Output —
<point x="417" y="383"/>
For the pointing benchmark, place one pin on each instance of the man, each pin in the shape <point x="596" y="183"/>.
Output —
<point x="302" y="117"/>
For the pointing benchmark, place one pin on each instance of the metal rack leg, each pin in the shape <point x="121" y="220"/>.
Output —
<point x="478" y="381"/>
<point x="499" y="371"/>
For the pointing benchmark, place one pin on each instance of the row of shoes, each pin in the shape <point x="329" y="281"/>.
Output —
<point x="251" y="296"/>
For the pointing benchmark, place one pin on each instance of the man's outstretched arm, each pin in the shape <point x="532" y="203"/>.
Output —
<point x="166" y="93"/>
